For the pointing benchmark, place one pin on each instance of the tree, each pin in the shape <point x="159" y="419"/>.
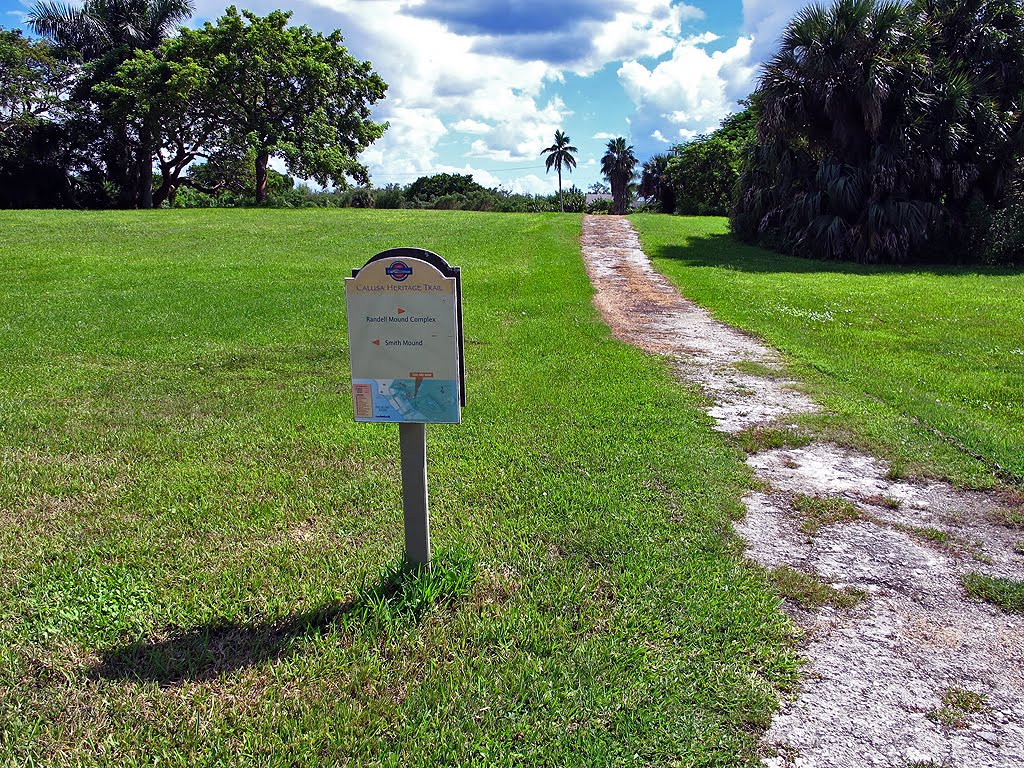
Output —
<point x="656" y="185"/>
<point x="878" y="125"/>
<point x="171" y="94"/>
<point x="426" y="189"/>
<point x="280" y="91"/>
<point x="618" y="165"/>
<point x="33" y="82"/>
<point x="102" y="34"/>
<point x="703" y="174"/>
<point x="558" y="154"/>
<point x="38" y="151"/>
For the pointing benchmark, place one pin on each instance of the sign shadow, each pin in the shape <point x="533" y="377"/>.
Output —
<point x="207" y="651"/>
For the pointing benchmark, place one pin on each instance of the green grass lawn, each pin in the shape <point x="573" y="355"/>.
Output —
<point x="925" y="365"/>
<point x="197" y="541"/>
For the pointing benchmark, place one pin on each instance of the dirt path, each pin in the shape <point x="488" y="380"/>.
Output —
<point x="887" y="682"/>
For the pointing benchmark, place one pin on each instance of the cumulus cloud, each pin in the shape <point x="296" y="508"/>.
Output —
<point x="693" y="86"/>
<point x="409" y="146"/>
<point x="690" y="91"/>
<point x="604" y="135"/>
<point x="471" y="126"/>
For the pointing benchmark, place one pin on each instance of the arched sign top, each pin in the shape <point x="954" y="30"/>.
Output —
<point x="422" y="254"/>
<point x="405" y="338"/>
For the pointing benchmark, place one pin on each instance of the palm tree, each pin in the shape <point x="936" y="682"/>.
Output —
<point x="105" y="33"/>
<point x="558" y="154"/>
<point x="838" y="161"/>
<point x="618" y="165"/>
<point x="101" y="27"/>
<point x="655" y="183"/>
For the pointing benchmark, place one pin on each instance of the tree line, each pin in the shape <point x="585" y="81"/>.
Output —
<point x="116" y="87"/>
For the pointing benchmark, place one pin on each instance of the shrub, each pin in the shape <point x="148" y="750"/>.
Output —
<point x="575" y="200"/>
<point x="390" y="196"/>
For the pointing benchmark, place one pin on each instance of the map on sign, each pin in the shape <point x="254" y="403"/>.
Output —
<point x="404" y="342"/>
<point x="406" y="400"/>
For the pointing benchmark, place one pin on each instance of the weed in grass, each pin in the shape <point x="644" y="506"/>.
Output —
<point x="878" y="500"/>
<point x="896" y="472"/>
<point x="1007" y="594"/>
<point x="937" y="535"/>
<point x="958" y="704"/>
<point x="808" y="591"/>
<point x="1011" y="518"/>
<point x="946" y="540"/>
<point x="758" y="439"/>
<point x="754" y="368"/>
<point x="1019" y="547"/>
<point x="818" y="511"/>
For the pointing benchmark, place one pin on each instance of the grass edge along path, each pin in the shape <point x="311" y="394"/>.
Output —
<point x="194" y="526"/>
<point x="922" y="366"/>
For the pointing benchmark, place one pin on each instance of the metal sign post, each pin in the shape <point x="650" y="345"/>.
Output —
<point x="412" y="440"/>
<point x="406" y="351"/>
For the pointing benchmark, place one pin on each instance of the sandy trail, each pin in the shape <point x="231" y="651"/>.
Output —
<point x="875" y="674"/>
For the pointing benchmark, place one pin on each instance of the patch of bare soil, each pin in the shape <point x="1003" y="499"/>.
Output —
<point x="879" y="678"/>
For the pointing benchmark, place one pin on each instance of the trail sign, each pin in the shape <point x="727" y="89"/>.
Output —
<point x="406" y="350"/>
<point x="405" y="338"/>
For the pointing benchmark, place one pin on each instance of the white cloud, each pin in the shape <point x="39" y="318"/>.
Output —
<point x="471" y="126"/>
<point x="694" y="88"/>
<point x="408" y="146"/>
<point x="604" y="135"/>
<point x="647" y="29"/>
<point x="532" y="184"/>
<point x="436" y="77"/>
<point x="529" y="184"/>
<point x="658" y="136"/>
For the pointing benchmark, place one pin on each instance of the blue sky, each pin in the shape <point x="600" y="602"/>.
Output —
<point x="480" y="87"/>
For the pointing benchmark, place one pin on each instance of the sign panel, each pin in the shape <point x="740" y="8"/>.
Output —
<point x="404" y="340"/>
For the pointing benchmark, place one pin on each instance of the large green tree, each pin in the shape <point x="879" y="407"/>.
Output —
<point x="704" y="171"/>
<point x="35" y="164"/>
<point x="560" y="154"/>
<point x="255" y="84"/>
<point x="879" y="123"/>
<point x="618" y="165"/>
<point x="101" y="34"/>
<point x="426" y="189"/>
<point x="703" y="174"/>
<point x="33" y="82"/>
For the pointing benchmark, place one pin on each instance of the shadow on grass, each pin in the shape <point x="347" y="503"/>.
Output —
<point x="210" y="650"/>
<point x="724" y="251"/>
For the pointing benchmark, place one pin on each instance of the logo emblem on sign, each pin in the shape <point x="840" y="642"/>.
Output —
<point x="398" y="271"/>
